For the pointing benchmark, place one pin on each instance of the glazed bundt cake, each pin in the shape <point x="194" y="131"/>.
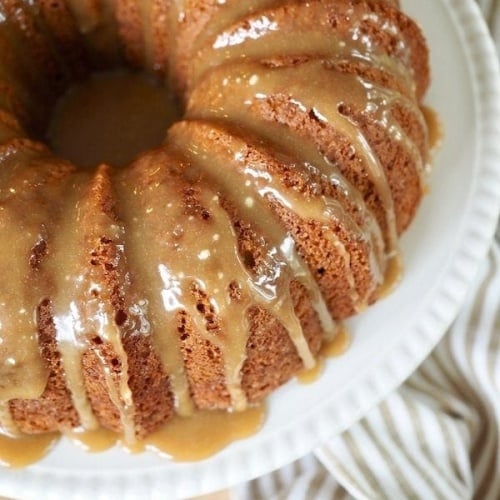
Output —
<point x="210" y="270"/>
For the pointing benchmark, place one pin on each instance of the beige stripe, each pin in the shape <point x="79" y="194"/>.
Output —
<point x="461" y="435"/>
<point x="398" y="473"/>
<point x="341" y="494"/>
<point x="254" y="489"/>
<point x="297" y="469"/>
<point x="392" y="426"/>
<point x="345" y="474"/>
<point x="315" y="484"/>
<point x="452" y="468"/>
<point x="408" y="454"/>
<point x="304" y="478"/>
<point x="485" y="475"/>
<point x="494" y="344"/>
<point x="265" y="486"/>
<point x="368" y="475"/>
<point x="450" y="445"/>
<point x="474" y="404"/>
<point x="467" y="329"/>
<point x="485" y="487"/>
<point x="463" y="389"/>
<point x="494" y="347"/>
<point x="478" y="405"/>
<point x="434" y="389"/>
<point x="417" y="424"/>
<point x="278" y="481"/>
<point x="329" y="488"/>
<point x="483" y="456"/>
<point x="342" y="473"/>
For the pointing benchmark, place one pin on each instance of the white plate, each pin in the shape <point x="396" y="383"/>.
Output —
<point x="442" y="251"/>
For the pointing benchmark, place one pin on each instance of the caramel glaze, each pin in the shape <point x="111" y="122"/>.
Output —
<point x="435" y="127"/>
<point x="207" y="272"/>
<point x="184" y="438"/>
<point x="334" y="347"/>
<point x="17" y="452"/>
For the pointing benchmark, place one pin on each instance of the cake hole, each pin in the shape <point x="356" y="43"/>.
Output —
<point x="111" y="117"/>
<point x="120" y="317"/>
<point x="115" y="362"/>
<point x="248" y="259"/>
<point x="342" y="109"/>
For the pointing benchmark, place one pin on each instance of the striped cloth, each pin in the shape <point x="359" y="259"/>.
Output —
<point x="437" y="436"/>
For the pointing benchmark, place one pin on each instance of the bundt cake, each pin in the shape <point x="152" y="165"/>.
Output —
<point x="210" y="270"/>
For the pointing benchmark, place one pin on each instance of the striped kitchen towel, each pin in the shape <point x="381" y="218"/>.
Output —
<point x="437" y="436"/>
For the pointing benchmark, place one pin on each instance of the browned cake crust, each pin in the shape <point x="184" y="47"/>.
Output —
<point x="305" y="157"/>
<point x="54" y="409"/>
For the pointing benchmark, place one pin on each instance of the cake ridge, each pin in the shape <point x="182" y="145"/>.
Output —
<point x="270" y="189"/>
